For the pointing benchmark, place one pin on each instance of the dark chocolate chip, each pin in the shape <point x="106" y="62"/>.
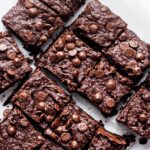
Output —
<point x="76" y="62"/>
<point x="33" y="12"/>
<point x="74" y="145"/>
<point x="70" y="46"/>
<point x="11" y="54"/>
<point x="11" y="130"/>
<point x="82" y="55"/>
<point x="60" y="55"/>
<point x="111" y="84"/>
<point x="23" y="95"/>
<point x="93" y="28"/>
<point x="110" y="102"/>
<point x="65" y="137"/>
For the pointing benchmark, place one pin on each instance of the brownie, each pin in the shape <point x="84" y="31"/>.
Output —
<point x="41" y="99"/>
<point x="33" y="22"/>
<point x="98" y="24"/>
<point x="49" y="145"/>
<point x="73" y="129"/>
<point x="13" y="65"/>
<point x="16" y="133"/>
<point x="136" y="114"/>
<point x="104" y="140"/>
<point x="130" y="54"/>
<point x="69" y="59"/>
<point x="105" y="87"/>
<point x="65" y="8"/>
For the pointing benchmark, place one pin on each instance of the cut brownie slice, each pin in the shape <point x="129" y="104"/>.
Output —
<point x="65" y="8"/>
<point x="105" y="86"/>
<point x="99" y="25"/>
<point x="136" y="114"/>
<point x="16" y="133"/>
<point x="73" y="129"/>
<point x="41" y="99"/>
<point x="104" y="140"/>
<point x="130" y="54"/>
<point x="32" y="21"/>
<point x="13" y="66"/>
<point x="69" y="59"/>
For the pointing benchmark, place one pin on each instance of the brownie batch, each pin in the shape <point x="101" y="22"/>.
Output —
<point x="97" y="56"/>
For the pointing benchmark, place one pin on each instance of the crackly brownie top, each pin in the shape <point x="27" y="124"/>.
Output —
<point x="130" y="53"/>
<point x="70" y="59"/>
<point x="41" y="98"/>
<point x="73" y="129"/>
<point x="17" y="133"/>
<point x="13" y="65"/>
<point x="136" y="114"/>
<point x="32" y="21"/>
<point x="105" y="86"/>
<point x="104" y="140"/>
<point x="99" y="24"/>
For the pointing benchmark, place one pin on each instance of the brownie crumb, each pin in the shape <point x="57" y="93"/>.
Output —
<point x="143" y="141"/>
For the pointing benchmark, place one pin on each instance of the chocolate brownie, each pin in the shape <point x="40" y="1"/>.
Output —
<point x="136" y="114"/>
<point x="104" y="140"/>
<point x="16" y="133"/>
<point x="69" y="59"/>
<point x="33" y="22"/>
<point x="98" y="24"/>
<point x="105" y="87"/>
<point x="130" y="54"/>
<point x="73" y="129"/>
<point x="13" y="66"/>
<point x="41" y="99"/>
<point x="65" y="8"/>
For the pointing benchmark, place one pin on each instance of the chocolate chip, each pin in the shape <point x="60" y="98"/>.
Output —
<point x="79" y="43"/>
<point x="11" y="54"/>
<point x="28" y="3"/>
<point x="65" y="137"/>
<point x="143" y="118"/>
<point x="75" y="118"/>
<point x="33" y="12"/>
<point x="111" y="27"/>
<point x="41" y="96"/>
<point x="11" y="72"/>
<point x="129" y="52"/>
<point x="17" y="61"/>
<point x="99" y="74"/>
<point x="51" y="19"/>
<point x="11" y="130"/>
<point x="82" y="55"/>
<point x="111" y="84"/>
<point x="133" y="43"/>
<point x="61" y="129"/>
<point x="139" y="56"/>
<point x="68" y="38"/>
<point x="53" y="57"/>
<point x="70" y="46"/>
<point x="60" y="55"/>
<point x="98" y="97"/>
<point x="48" y="118"/>
<point x="76" y="62"/>
<point x="23" y="95"/>
<point x="39" y="25"/>
<point x="24" y="122"/>
<point x="72" y="53"/>
<point x="43" y="38"/>
<point x="74" y="145"/>
<point x="110" y="102"/>
<point x="41" y="106"/>
<point x="93" y="28"/>
<point x="82" y="127"/>
<point x="60" y="44"/>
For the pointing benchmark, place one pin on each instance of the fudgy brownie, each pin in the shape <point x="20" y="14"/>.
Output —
<point x="16" y="133"/>
<point x="32" y="21"/>
<point x="73" y="129"/>
<point x="130" y="54"/>
<point x="41" y="99"/>
<point x="136" y="114"/>
<point x="65" y="8"/>
<point x="69" y="59"/>
<point x="13" y="66"/>
<point x="99" y="25"/>
<point x="104" y="140"/>
<point x="105" y="87"/>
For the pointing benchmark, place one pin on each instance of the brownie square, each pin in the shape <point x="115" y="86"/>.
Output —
<point x="41" y="99"/>
<point x="33" y="22"/>
<point x="136" y="114"/>
<point x="65" y="8"/>
<point x="13" y="65"/>
<point x="73" y="129"/>
<point x="99" y="25"/>
<point x="16" y="133"/>
<point x="130" y="54"/>
<point x="104" y="140"/>
<point x="105" y="87"/>
<point x="69" y="59"/>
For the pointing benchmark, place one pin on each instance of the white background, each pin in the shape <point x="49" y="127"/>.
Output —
<point x="137" y="14"/>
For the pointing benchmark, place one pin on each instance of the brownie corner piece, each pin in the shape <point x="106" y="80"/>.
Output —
<point x="73" y="128"/>
<point x="98" y="24"/>
<point x="130" y="54"/>
<point x="33" y="22"/>
<point x="70" y="59"/>
<point x="107" y="140"/>
<point x="136" y="113"/>
<point x="17" y="133"/>
<point x="41" y="99"/>
<point x="13" y="65"/>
